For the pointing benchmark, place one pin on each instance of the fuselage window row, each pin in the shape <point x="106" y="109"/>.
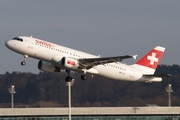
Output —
<point x="60" y="51"/>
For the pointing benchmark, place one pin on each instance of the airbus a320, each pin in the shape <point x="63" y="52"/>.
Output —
<point x="54" y="58"/>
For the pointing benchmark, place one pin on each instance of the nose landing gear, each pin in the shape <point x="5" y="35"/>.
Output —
<point x="24" y="60"/>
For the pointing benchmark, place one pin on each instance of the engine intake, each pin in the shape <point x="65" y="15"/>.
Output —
<point x="47" y="67"/>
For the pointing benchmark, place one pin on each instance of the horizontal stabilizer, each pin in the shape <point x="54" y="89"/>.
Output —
<point x="158" y="75"/>
<point x="134" y="56"/>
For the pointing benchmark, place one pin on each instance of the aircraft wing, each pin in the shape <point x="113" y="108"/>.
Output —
<point x="91" y="62"/>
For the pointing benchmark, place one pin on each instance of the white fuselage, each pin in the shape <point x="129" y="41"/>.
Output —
<point x="43" y="50"/>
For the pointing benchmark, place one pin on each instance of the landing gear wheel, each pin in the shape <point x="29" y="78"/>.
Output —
<point x="84" y="77"/>
<point x="24" y="60"/>
<point x="23" y="63"/>
<point x="68" y="79"/>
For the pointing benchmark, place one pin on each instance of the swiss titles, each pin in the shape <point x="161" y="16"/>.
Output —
<point x="43" y="43"/>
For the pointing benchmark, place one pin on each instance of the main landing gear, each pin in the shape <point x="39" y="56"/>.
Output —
<point x="69" y="78"/>
<point x="84" y="77"/>
<point x="24" y="60"/>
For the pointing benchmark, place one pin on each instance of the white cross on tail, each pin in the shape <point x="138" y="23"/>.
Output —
<point x="152" y="58"/>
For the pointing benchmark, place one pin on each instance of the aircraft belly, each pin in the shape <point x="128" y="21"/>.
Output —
<point x="116" y="74"/>
<point x="109" y="72"/>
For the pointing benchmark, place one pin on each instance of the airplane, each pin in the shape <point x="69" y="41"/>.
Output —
<point x="54" y="58"/>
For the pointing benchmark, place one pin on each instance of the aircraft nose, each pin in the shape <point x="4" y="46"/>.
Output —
<point x="7" y="44"/>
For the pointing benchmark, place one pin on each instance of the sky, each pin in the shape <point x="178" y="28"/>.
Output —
<point x="100" y="27"/>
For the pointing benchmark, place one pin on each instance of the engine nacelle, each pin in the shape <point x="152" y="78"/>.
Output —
<point x="47" y="67"/>
<point x="69" y="63"/>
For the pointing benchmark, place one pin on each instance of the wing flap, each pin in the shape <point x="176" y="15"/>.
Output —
<point x="91" y="62"/>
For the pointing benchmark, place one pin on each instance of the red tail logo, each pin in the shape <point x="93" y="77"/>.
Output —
<point x="153" y="58"/>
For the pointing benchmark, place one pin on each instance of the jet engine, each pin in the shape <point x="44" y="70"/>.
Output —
<point x="47" y="67"/>
<point x="69" y="63"/>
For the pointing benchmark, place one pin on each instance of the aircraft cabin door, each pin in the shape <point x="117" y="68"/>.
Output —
<point x="31" y="43"/>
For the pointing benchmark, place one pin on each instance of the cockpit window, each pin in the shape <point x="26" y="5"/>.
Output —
<point x="19" y="39"/>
